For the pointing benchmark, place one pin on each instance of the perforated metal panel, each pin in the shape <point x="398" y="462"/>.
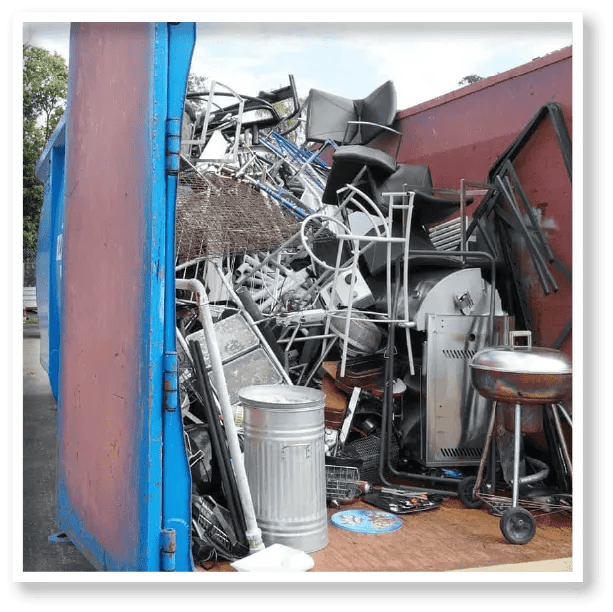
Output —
<point x="454" y="417"/>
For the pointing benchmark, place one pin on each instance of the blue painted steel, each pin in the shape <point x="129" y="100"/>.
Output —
<point x="50" y="170"/>
<point x="146" y="555"/>
<point x="168" y="542"/>
<point x="176" y="499"/>
<point x="277" y="194"/>
<point x="173" y="135"/>
<point x="152" y="368"/>
<point x="164" y="481"/>
<point x="300" y="154"/>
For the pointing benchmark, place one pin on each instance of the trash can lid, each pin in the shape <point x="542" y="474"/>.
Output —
<point x="281" y="396"/>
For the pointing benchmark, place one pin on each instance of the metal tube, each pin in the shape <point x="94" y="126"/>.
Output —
<point x="254" y="534"/>
<point x="449" y="226"/>
<point x="307" y="338"/>
<point x="217" y="443"/>
<point x="252" y="323"/>
<point x="289" y="241"/>
<point x="516" y="452"/>
<point x="539" y="264"/>
<point x="463" y="220"/>
<point x="565" y="414"/>
<point x="187" y="264"/>
<point x="556" y="418"/>
<point x="486" y="449"/>
<point x="447" y="240"/>
<point x="409" y="216"/>
<point x="538" y="476"/>
<point x="386" y="422"/>
<point x="349" y="307"/>
<point x="183" y="344"/>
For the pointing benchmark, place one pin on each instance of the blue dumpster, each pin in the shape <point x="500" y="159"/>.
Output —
<point x="105" y="281"/>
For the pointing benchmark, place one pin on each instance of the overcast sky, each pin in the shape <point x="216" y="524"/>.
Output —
<point x="425" y="60"/>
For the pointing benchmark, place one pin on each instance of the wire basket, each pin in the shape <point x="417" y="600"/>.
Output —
<point x="368" y="450"/>
<point x="341" y="482"/>
<point x="217" y="215"/>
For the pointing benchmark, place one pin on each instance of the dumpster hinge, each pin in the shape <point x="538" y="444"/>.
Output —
<point x="170" y="381"/>
<point x="173" y="144"/>
<point x="168" y="546"/>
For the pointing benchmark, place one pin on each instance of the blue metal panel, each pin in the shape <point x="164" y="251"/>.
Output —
<point x="124" y="487"/>
<point x="50" y="170"/>
<point x="176" y="505"/>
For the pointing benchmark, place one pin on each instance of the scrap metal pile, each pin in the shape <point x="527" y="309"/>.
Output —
<point x="353" y="276"/>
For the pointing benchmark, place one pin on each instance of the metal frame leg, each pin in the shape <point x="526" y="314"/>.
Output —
<point x="556" y="418"/>
<point x="516" y="454"/>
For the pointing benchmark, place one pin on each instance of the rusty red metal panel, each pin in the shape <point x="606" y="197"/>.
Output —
<point x="462" y="134"/>
<point x="100" y="420"/>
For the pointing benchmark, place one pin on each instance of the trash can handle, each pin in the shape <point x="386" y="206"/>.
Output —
<point x="284" y="450"/>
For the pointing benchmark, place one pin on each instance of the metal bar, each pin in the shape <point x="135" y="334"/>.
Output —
<point x="556" y="419"/>
<point x="325" y="352"/>
<point x="456" y="237"/>
<point x="516" y="454"/>
<point x="445" y="226"/>
<point x="440" y="233"/>
<point x="565" y="414"/>
<point x="539" y="264"/>
<point x="354" y="270"/>
<point x="533" y="248"/>
<point x="386" y="422"/>
<point x="217" y="442"/>
<point x="509" y="169"/>
<point x="523" y="309"/>
<point x="254" y="535"/>
<point x="463" y="219"/>
<point x="307" y="338"/>
<point x="486" y="450"/>
<point x="488" y="239"/>
<point x="557" y="343"/>
<point x="408" y="220"/>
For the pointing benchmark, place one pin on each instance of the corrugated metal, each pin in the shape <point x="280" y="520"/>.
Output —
<point x="284" y="461"/>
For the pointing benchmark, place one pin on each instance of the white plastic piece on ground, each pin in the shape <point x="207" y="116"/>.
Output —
<point x="275" y="558"/>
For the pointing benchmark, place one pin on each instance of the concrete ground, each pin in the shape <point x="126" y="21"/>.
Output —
<point x="40" y="470"/>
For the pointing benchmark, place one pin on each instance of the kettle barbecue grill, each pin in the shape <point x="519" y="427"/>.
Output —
<point x="517" y="375"/>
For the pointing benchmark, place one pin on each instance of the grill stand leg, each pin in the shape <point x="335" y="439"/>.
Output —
<point x="516" y="455"/>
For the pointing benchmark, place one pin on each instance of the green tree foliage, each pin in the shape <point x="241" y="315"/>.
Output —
<point x="197" y="84"/>
<point x="45" y="83"/>
<point x="470" y="79"/>
<point x="296" y="124"/>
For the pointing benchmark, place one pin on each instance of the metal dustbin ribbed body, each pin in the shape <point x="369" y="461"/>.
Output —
<point x="285" y="464"/>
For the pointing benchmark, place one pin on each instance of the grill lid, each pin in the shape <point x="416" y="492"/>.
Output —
<point x="522" y="360"/>
<point x="514" y="359"/>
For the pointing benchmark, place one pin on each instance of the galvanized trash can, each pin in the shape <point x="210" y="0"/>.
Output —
<point x="285" y="463"/>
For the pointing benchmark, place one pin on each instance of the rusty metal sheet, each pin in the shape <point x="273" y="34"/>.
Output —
<point x="106" y="420"/>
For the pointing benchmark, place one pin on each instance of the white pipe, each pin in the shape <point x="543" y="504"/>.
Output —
<point x="253" y="533"/>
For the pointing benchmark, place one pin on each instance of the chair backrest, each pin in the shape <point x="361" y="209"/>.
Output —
<point x="329" y="114"/>
<point x="380" y="108"/>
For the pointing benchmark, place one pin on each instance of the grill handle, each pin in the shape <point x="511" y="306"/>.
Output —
<point x="520" y="334"/>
